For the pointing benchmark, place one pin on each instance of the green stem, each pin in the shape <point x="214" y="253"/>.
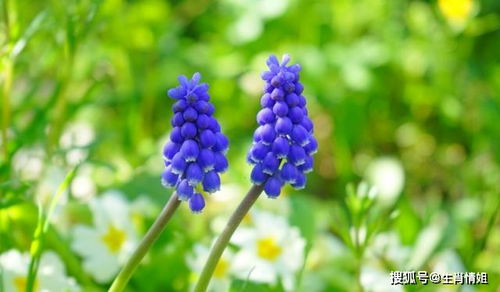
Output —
<point x="153" y="233"/>
<point x="225" y="236"/>
<point x="7" y="84"/>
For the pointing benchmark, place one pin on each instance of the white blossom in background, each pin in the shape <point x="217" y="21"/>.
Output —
<point x="51" y="273"/>
<point x="107" y="244"/>
<point x="387" y="175"/>
<point x="375" y="279"/>
<point x="83" y="186"/>
<point x="252" y="14"/>
<point x="28" y="162"/>
<point x="74" y="138"/>
<point x="221" y="279"/>
<point x="388" y="246"/>
<point x="270" y="249"/>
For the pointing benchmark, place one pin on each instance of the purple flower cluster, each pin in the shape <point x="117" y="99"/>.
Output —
<point x="195" y="153"/>
<point x="284" y="142"/>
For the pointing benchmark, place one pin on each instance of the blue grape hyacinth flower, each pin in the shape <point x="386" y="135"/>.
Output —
<point x="284" y="143"/>
<point x="195" y="153"/>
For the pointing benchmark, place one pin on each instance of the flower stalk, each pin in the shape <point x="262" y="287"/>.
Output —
<point x="225" y="236"/>
<point x="153" y="233"/>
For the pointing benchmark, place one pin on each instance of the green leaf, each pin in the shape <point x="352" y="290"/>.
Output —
<point x="34" y="26"/>
<point x="42" y="228"/>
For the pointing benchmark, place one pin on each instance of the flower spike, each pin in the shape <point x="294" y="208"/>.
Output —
<point x="284" y="142"/>
<point x="195" y="153"/>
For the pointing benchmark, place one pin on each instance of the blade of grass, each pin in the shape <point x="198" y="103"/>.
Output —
<point x="34" y="26"/>
<point x="42" y="227"/>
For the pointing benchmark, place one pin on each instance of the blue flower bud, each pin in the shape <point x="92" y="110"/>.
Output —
<point x="194" y="174"/>
<point x="289" y="87"/>
<point x="211" y="182"/>
<point x="183" y="81"/>
<point x="258" y="176"/>
<point x="267" y="134"/>
<point x="168" y="178"/>
<point x="220" y="162"/>
<point x="276" y="81"/>
<point x="178" y="163"/>
<point x="272" y="188"/>
<point x="188" y="130"/>
<point x="299" y="88"/>
<point x="210" y="109"/>
<point x="196" y="203"/>
<point x="272" y="62"/>
<point x="206" y="160"/>
<point x="296" y="114"/>
<point x="289" y="172"/>
<point x="190" y="114"/>
<point x="180" y="106"/>
<point x="184" y="190"/>
<point x="256" y="135"/>
<point x="300" y="135"/>
<point x="265" y="116"/>
<point x="268" y="88"/>
<point x="283" y="126"/>
<point x="207" y="138"/>
<point x="177" y="92"/>
<point x="259" y="151"/>
<point x="307" y="124"/>
<point x="312" y="146"/>
<point x="302" y="101"/>
<point x="300" y="181"/>
<point x="177" y="120"/>
<point x="267" y="75"/>
<point x="214" y="125"/>
<point x="297" y="155"/>
<point x="292" y="99"/>
<point x="280" y="108"/>
<point x="176" y="136"/>
<point x="270" y="164"/>
<point x="190" y="150"/>
<point x="221" y="143"/>
<point x="267" y="101"/>
<point x="280" y="147"/>
<point x="191" y="98"/>
<point x="202" y="107"/>
<point x="308" y="165"/>
<point x="203" y="121"/>
<point x="170" y="149"/>
<point x="277" y="94"/>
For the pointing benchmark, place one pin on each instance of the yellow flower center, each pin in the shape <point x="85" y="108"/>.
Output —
<point x="21" y="282"/>
<point x="455" y="9"/>
<point x="221" y="268"/>
<point x="268" y="249"/>
<point x="114" y="238"/>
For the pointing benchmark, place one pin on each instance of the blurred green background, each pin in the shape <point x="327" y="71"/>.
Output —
<point x="415" y="84"/>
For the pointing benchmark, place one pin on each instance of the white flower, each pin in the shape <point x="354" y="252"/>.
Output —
<point x="51" y="273"/>
<point x="109" y="243"/>
<point x="75" y="138"/>
<point x="83" y="186"/>
<point x="387" y="175"/>
<point x="28" y="162"/>
<point x="270" y="250"/>
<point x="221" y="280"/>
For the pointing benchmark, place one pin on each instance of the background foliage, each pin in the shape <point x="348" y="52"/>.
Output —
<point x="417" y="81"/>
